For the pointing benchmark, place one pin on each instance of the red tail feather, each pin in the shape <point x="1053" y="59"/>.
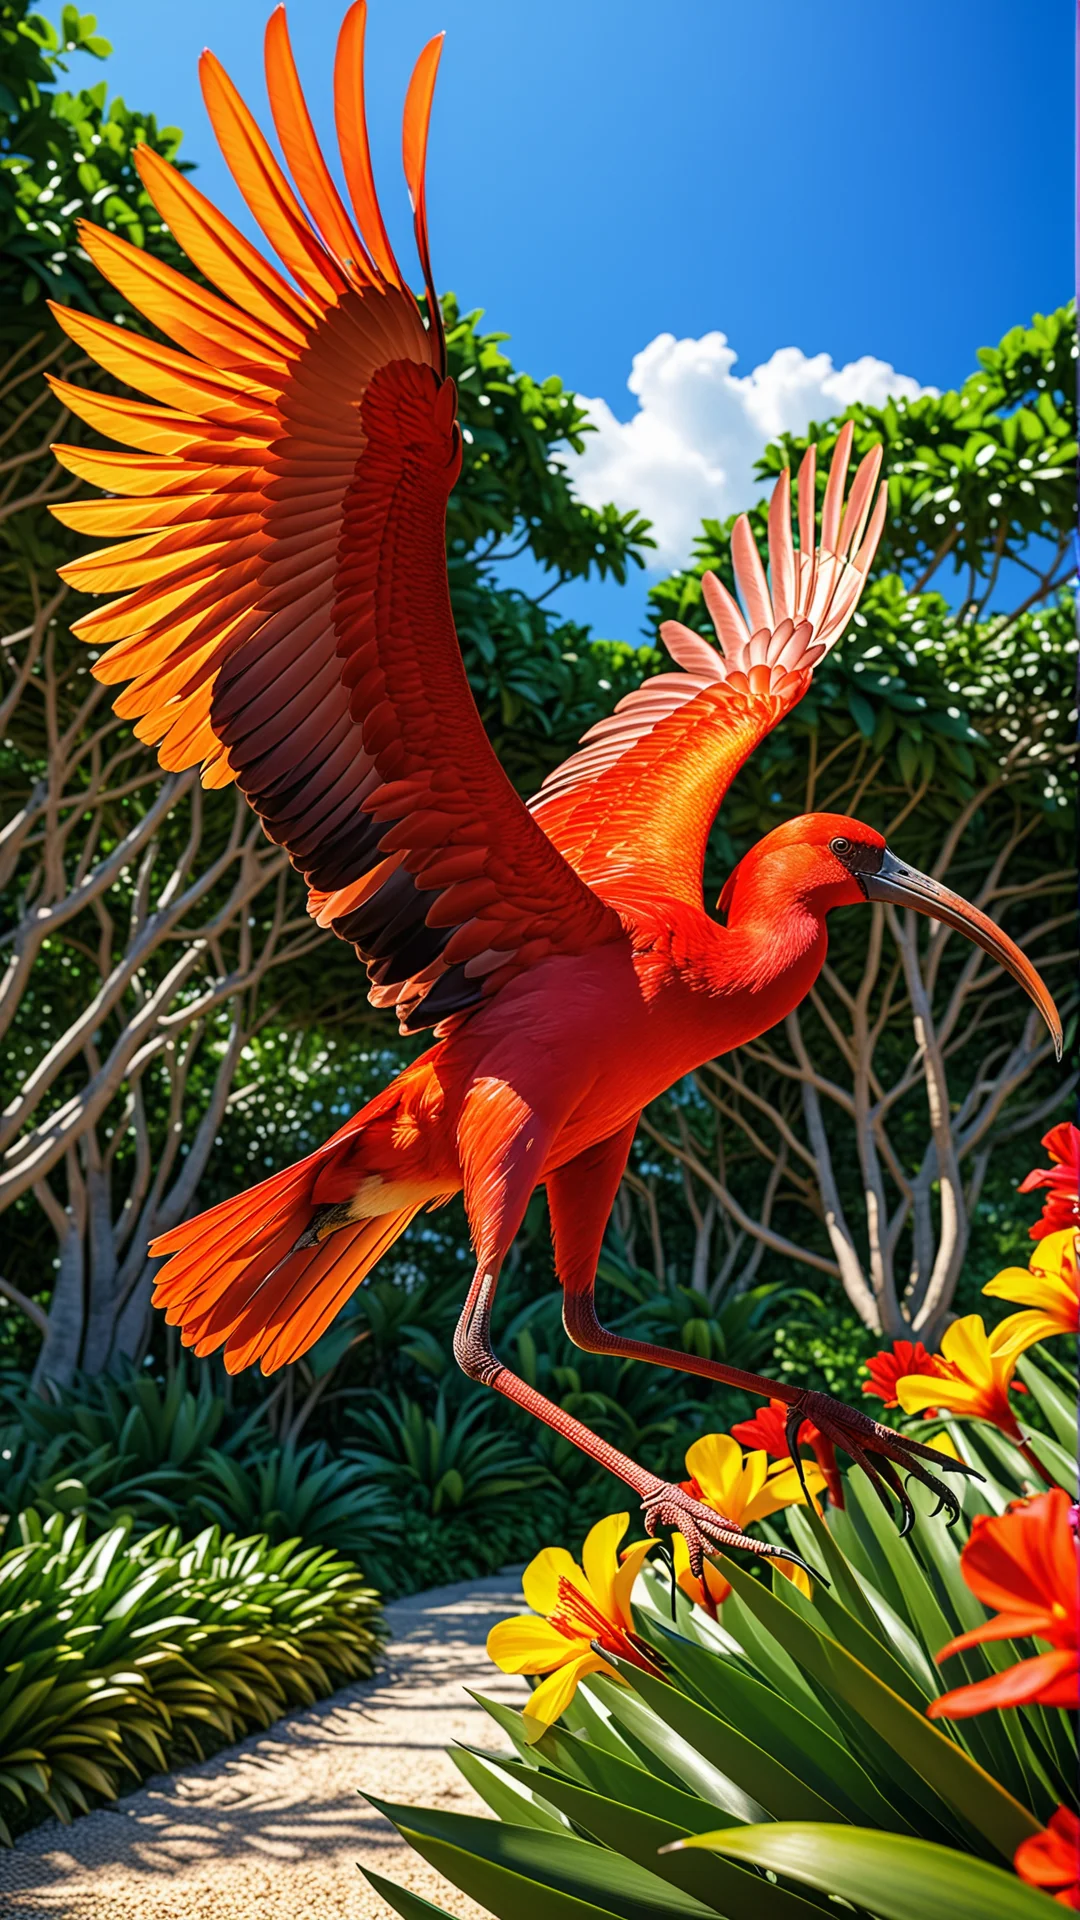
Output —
<point x="242" y="1289"/>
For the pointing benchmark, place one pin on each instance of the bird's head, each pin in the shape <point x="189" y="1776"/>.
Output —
<point x="826" y="860"/>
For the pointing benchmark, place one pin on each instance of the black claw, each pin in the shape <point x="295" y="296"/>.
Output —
<point x="798" y="1561"/>
<point x="899" y="1491"/>
<point x="792" y="1429"/>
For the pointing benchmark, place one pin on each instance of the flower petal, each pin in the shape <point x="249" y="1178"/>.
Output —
<point x="540" y="1580"/>
<point x="966" y="1347"/>
<point x="1049" y="1679"/>
<point x="633" y="1560"/>
<point x="1049" y="1291"/>
<point x="783" y="1490"/>
<point x="528" y="1645"/>
<point x="553" y="1695"/>
<point x="1038" y="1622"/>
<point x="1018" y="1332"/>
<point x="918" y="1390"/>
<point x="715" y="1462"/>
<point x="600" y="1559"/>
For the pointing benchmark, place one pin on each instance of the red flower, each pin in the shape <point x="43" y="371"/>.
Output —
<point x="1051" y="1859"/>
<point x="1023" y="1563"/>
<point x="1061" y="1208"/>
<point x="766" y="1431"/>
<point x="895" y="1363"/>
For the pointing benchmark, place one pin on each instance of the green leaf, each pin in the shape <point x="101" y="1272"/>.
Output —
<point x="617" y="1779"/>
<point x="929" y="1755"/>
<point x="411" y="1906"/>
<point x="910" y="1676"/>
<point x="641" y="1834"/>
<point x="808" y="1530"/>
<point x="907" y="759"/>
<point x="1058" y="1462"/>
<point x="775" y="1663"/>
<point x="656" y="1744"/>
<point x="862" y="713"/>
<point x="774" y="1786"/>
<point x="520" y="1804"/>
<point x="920" y="1603"/>
<point x="523" y="1874"/>
<point x="1060" y="1411"/>
<point x="896" y="1877"/>
<point x="804" y="1748"/>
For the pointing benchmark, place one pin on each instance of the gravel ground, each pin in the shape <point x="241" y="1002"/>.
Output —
<point x="274" y="1829"/>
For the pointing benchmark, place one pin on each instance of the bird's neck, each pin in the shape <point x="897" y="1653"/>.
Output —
<point x="762" y="964"/>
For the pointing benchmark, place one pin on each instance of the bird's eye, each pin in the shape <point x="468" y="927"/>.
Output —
<point x="840" y="846"/>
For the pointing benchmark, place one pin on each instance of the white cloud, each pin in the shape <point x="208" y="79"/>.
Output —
<point x="689" y="450"/>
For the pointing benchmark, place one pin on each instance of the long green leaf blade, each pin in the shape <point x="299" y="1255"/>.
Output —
<point x="774" y="1786"/>
<point x="963" y="1785"/>
<point x="499" y="1865"/>
<point x="411" y="1906"/>
<point x="794" y="1740"/>
<point x="640" y="1834"/>
<point x="894" y="1876"/>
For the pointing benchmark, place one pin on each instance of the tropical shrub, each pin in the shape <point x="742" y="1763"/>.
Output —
<point x="157" y="1453"/>
<point x="122" y="1656"/>
<point x="444" y="1461"/>
<point x="300" y="1493"/>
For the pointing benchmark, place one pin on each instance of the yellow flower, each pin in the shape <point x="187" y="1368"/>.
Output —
<point x="979" y="1371"/>
<point x="712" y="1589"/>
<point x="745" y="1490"/>
<point x="579" y="1606"/>
<point x="1050" y="1287"/>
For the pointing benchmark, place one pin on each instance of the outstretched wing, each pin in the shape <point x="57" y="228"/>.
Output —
<point x="632" y="809"/>
<point x="285" y="617"/>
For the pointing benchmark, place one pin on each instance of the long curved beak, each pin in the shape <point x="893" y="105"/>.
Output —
<point x="907" y="887"/>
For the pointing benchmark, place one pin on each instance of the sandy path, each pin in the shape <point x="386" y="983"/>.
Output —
<point x="273" y="1829"/>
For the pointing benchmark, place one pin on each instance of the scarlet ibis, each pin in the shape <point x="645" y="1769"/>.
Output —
<point x="285" y="623"/>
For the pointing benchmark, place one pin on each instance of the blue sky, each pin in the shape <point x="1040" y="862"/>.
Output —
<point x="842" y="177"/>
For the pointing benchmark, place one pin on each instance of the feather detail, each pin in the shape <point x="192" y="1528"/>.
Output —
<point x="283" y="615"/>
<point x="632" y="808"/>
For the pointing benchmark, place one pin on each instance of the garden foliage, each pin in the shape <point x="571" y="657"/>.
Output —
<point x="126" y="1654"/>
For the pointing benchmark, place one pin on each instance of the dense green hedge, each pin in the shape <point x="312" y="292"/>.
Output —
<point x="122" y="1656"/>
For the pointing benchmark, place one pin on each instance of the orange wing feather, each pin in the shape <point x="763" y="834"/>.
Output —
<point x="285" y="617"/>
<point x="632" y="809"/>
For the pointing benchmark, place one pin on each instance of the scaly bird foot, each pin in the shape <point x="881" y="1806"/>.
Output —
<point x="878" y="1450"/>
<point x="705" y="1531"/>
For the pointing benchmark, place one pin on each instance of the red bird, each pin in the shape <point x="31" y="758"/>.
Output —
<point x="285" y="624"/>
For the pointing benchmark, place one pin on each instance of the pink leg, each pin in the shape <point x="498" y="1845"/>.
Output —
<point x="580" y="1197"/>
<point x="502" y="1154"/>
<point x="663" y="1503"/>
